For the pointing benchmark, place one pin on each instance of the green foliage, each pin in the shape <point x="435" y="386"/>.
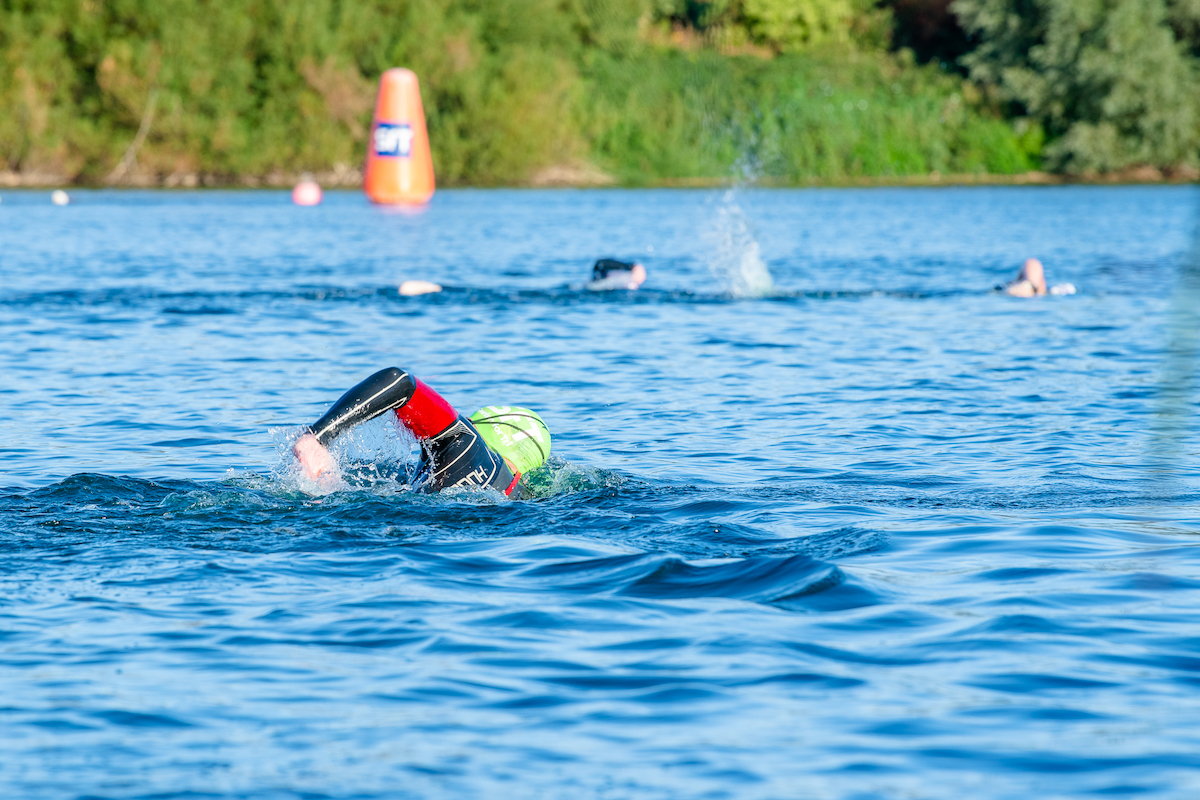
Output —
<point x="784" y="25"/>
<point x="245" y="89"/>
<point x="1184" y="19"/>
<point x="258" y="86"/>
<point x="1106" y="78"/>
<point x="791" y="24"/>
<point x="793" y="118"/>
<point x="929" y="29"/>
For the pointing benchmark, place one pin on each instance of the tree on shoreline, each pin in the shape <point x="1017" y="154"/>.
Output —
<point x="1108" y="79"/>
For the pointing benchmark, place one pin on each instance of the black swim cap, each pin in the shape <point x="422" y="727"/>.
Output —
<point x="607" y="265"/>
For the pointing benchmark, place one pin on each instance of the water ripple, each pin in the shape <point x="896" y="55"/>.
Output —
<point x="826" y="515"/>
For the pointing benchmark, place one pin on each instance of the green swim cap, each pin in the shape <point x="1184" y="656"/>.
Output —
<point x="517" y="434"/>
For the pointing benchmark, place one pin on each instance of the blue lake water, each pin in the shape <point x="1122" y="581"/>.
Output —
<point x="826" y="517"/>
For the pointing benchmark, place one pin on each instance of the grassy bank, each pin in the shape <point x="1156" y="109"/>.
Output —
<point x="792" y="119"/>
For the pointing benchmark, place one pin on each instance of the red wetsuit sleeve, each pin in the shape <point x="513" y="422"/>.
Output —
<point x="427" y="413"/>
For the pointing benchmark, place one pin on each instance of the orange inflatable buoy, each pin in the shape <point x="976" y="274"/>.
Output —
<point x="399" y="163"/>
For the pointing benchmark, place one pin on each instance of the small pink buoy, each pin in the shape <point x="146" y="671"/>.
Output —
<point x="306" y="193"/>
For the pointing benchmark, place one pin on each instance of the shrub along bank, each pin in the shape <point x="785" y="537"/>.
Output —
<point x="642" y="91"/>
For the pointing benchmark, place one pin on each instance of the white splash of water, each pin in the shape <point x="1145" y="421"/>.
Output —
<point x="736" y="260"/>
<point x="370" y="456"/>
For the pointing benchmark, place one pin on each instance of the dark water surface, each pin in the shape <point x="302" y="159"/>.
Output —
<point x="826" y="518"/>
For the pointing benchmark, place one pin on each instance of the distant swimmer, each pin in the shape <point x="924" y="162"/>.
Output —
<point x="414" y="288"/>
<point x="608" y="273"/>
<point x="1031" y="282"/>
<point x="496" y="447"/>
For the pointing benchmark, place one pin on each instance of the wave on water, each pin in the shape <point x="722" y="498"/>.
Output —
<point x="589" y="552"/>
<point x="740" y="288"/>
<point x="557" y="626"/>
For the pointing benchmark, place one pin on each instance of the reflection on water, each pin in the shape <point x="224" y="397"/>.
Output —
<point x="1180" y="389"/>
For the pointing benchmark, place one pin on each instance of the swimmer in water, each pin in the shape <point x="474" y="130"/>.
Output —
<point x="1031" y="282"/>
<point x="495" y="447"/>
<point x="608" y="273"/>
<point x="413" y="288"/>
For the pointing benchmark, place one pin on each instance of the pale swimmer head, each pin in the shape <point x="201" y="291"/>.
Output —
<point x="414" y="288"/>
<point x="1031" y="282"/>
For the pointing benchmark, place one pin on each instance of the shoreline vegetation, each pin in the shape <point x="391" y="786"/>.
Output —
<point x="594" y="93"/>
<point x="570" y="177"/>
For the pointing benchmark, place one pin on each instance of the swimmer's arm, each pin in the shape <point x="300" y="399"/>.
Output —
<point x="382" y="392"/>
<point x="418" y="408"/>
<point x="385" y="390"/>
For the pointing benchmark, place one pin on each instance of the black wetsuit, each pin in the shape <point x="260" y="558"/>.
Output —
<point x="454" y="454"/>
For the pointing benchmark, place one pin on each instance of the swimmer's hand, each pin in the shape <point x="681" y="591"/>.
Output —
<point x="315" y="461"/>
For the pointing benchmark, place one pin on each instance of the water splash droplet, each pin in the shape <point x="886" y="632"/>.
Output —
<point x="736" y="257"/>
